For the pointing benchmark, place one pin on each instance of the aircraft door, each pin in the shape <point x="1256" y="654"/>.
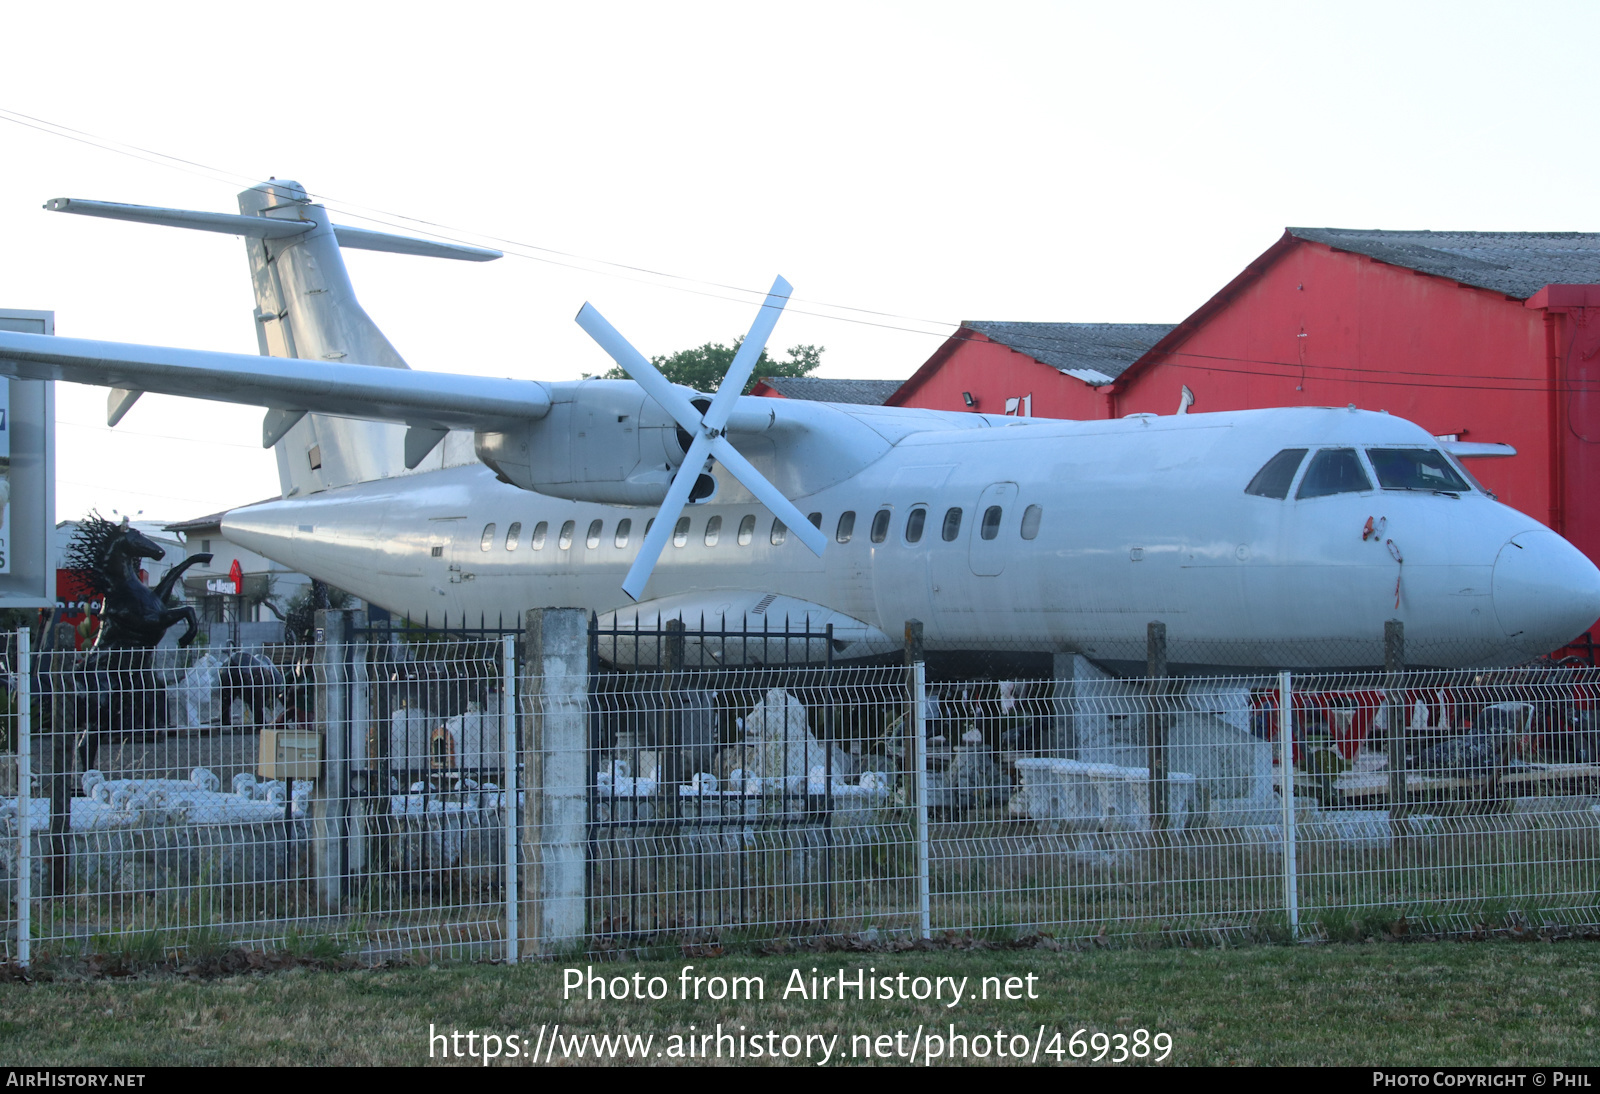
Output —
<point x="443" y="543"/>
<point x="996" y="512"/>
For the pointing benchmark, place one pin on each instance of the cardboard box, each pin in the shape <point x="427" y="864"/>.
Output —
<point x="290" y="754"/>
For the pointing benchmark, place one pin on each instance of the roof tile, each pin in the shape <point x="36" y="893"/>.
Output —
<point x="1518" y="264"/>
<point x="1103" y="348"/>
<point x="818" y="389"/>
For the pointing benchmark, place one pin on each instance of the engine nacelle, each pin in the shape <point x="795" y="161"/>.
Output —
<point x="602" y="441"/>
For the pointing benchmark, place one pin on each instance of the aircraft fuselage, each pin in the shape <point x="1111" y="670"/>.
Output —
<point x="1128" y="521"/>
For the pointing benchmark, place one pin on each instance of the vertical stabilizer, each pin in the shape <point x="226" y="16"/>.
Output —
<point x="307" y="308"/>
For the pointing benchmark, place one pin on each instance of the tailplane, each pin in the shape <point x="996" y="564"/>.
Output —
<point x="305" y="307"/>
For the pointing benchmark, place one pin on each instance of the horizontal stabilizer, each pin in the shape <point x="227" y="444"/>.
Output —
<point x="261" y="227"/>
<point x="285" y="384"/>
<point x="362" y="239"/>
<point x="227" y="223"/>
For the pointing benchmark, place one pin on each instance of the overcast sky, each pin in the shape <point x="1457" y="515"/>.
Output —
<point x="932" y="163"/>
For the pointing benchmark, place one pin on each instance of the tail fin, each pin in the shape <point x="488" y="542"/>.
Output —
<point x="307" y="308"/>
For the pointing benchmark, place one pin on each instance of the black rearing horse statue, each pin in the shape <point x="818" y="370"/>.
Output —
<point x="116" y="689"/>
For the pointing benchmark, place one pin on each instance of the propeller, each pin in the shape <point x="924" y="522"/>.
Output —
<point x="708" y="430"/>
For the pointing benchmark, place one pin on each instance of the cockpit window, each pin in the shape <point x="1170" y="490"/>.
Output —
<point x="1273" y="480"/>
<point x="1461" y="469"/>
<point x="1415" y="469"/>
<point x="1334" y="471"/>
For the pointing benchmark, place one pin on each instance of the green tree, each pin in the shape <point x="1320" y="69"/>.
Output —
<point x="704" y="367"/>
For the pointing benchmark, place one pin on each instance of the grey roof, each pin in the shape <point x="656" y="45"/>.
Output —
<point x="1518" y="264"/>
<point x="1076" y="348"/>
<point x="816" y="389"/>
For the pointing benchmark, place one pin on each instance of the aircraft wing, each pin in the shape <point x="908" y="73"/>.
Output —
<point x="287" y="386"/>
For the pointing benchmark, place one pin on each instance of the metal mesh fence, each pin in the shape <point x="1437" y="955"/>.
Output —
<point x="472" y="798"/>
<point x="748" y="803"/>
<point x="343" y="795"/>
<point x="1047" y="818"/>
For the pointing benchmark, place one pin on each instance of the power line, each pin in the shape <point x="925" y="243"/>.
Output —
<point x="137" y="492"/>
<point x="1505" y="384"/>
<point x="450" y="233"/>
<point x="717" y="290"/>
<point x="124" y="432"/>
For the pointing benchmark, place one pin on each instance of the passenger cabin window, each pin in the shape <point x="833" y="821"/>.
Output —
<point x="624" y="529"/>
<point x="540" y="531"/>
<point x="593" y="539"/>
<point x="513" y="534"/>
<point x="816" y="520"/>
<point x="880" y="526"/>
<point x="488" y="536"/>
<point x="1030" y="521"/>
<point x="991" y="522"/>
<point x="847" y="526"/>
<point x="914" y="522"/>
<point x="952" y="524"/>
<point x="1415" y="469"/>
<point x="713" y="531"/>
<point x="780" y="532"/>
<point x="747" y="529"/>
<point x="649" y="524"/>
<point x="565" y="541"/>
<point x="680" y="532"/>
<point x="1334" y="471"/>
<point x="1273" y="480"/>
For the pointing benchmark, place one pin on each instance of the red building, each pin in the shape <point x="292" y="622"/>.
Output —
<point x="1481" y="336"/>
<point x="1039" y="370"/>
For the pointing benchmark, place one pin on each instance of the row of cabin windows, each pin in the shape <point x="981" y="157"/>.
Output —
<point x="916" y="520"/>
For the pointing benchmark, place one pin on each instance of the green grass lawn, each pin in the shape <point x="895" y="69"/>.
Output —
<point x="1423" y="1003"/>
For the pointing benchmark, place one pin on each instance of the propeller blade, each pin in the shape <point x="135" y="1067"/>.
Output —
<point x="769" y="495"/>
<point x="744" y="362"/>
<point x="705" y="429"/>
<point x="666" y="518"/>
<point x="657" y="386"/>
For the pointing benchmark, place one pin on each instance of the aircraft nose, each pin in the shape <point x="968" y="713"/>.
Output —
<point x="1545" y="591"/>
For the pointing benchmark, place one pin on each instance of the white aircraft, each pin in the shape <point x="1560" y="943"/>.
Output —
<point x="1263" y="539"/>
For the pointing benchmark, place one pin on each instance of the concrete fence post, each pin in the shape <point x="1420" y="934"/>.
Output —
<point x="916" y="729"/>
<point x="1291" y="869"/>
<point x="555" y="701"/>
<point x="330" y="795"/>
